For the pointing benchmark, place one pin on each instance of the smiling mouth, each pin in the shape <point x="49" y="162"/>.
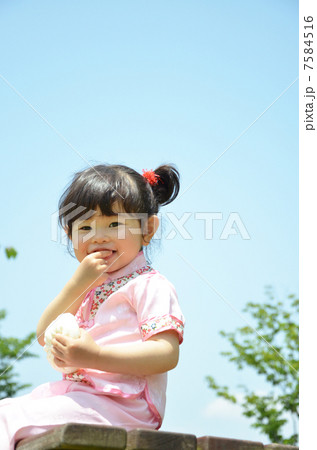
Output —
<point x="104" y="250"/>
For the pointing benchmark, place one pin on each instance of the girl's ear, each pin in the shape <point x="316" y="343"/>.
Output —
<point x="66" y="229"/>
<point x="151" y="227"/>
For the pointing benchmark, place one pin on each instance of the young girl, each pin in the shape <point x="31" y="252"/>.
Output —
<point x="130" y="321"/>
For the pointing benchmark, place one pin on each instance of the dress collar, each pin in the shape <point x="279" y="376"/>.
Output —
<point x="138" y="262"/>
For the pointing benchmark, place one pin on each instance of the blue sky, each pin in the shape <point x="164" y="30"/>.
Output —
<point x="144" y="83"/>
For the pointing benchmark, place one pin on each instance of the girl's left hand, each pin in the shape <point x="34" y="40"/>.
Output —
<point x="82" y="352"/>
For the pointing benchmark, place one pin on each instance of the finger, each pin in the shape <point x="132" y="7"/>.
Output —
<point x="103" y="262"/>
<point x="59" y="362"/>
<point x="103" y="268"/>
<point x="57" y="353"/>
<point x="60" y="339"/>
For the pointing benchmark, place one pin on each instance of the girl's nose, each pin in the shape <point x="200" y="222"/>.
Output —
<point x="100" y="236"/>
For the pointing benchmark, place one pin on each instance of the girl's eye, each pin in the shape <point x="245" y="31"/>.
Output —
<point x="85" y="228"/>
<point x="114" y="224"/>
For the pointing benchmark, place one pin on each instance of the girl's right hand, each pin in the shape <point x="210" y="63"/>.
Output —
<point x="91" y="272"/>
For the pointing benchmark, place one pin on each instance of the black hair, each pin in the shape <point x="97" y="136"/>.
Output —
<point x="104" y="185"/>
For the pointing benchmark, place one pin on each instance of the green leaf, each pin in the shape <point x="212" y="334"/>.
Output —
<point x="11" y="252"/>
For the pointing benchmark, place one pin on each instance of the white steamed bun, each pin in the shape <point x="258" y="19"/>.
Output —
<point x="64" y="324"/>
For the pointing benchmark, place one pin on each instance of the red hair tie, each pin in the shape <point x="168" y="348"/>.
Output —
<point x="151" y="176"/>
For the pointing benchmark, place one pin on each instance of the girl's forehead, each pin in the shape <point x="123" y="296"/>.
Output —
<point x="97" y="213"/>
<point x="116" y="208"/>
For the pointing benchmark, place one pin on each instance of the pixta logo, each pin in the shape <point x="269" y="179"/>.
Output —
<point x="232" y="225"/>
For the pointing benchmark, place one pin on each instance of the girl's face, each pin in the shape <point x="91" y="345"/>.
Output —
<point x="122" y="237"/>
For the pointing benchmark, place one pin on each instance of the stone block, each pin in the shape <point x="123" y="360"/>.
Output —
<point x="220" y="443"/>
<point x="140" y="439"/>
<point x="73" y="436"/>
<point x="280" y="447"/>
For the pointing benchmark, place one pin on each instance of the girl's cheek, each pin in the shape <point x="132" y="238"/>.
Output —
<point x="80" y="241"/>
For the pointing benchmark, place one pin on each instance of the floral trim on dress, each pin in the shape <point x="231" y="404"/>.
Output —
<point x="101" y="293"/>
<point x="105" y="290"/>
<point x="79" y="375"/>
<point x="163" y="323"/>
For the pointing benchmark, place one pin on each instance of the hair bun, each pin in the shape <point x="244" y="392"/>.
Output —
<point x="167" y="188"/>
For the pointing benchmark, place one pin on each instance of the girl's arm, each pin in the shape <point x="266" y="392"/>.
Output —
<point x="158" y="354"/>
<point x="90" y="273"/>
<point x="68" y="300"/>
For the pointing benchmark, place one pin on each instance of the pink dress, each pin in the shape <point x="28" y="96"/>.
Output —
<point x="136" y="303"/>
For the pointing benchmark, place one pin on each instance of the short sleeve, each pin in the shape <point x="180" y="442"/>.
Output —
<point x="156" y="304"/>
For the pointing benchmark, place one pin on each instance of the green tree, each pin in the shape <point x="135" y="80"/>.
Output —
<point x="12" y="350"/>
<point x="271" y="349"/>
